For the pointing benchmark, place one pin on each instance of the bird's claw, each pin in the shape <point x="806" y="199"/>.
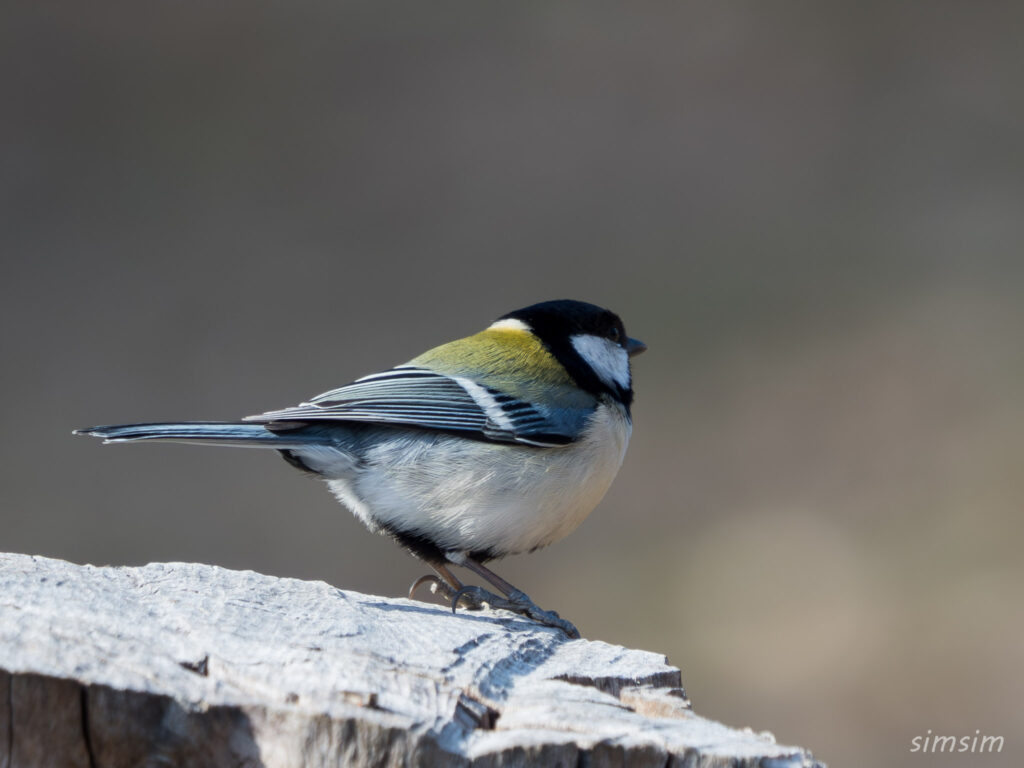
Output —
<point x="430" y="579"/>
<point x="472" y="598"/>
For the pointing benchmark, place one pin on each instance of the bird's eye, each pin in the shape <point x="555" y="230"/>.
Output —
<point x="613" y="334"/>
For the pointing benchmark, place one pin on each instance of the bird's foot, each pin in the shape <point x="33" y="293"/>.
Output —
<point x="476" y="598"/>
<point x="517" y="602"/>
<point x="452" y="596"/>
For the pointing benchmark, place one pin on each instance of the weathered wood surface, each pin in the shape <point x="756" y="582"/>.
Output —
<point x="185" y="664"/>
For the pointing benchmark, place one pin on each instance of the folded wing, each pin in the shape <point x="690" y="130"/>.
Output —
<point x="420" y="397"/>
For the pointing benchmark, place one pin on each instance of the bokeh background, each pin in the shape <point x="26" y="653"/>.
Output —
<point x="813" y="213"/>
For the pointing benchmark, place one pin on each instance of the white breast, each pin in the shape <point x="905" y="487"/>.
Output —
<point x="467" y="495"/>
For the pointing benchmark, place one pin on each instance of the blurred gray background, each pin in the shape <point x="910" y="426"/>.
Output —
<point x="811" y="212"/>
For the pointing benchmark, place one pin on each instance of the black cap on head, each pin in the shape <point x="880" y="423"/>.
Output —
<point x="568" y="317"/>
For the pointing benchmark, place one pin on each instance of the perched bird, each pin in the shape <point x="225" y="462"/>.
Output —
<point x="487" y="446"/>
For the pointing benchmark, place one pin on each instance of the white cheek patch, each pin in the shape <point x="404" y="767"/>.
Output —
<point x="609" y="361"/>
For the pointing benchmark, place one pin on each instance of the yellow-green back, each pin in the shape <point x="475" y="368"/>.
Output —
<point x="508" y="359"/>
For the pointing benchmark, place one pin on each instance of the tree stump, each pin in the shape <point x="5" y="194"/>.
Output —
<point x="186" y="664"/>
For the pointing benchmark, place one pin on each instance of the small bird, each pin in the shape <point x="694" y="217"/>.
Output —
<point x="491" y="445"/>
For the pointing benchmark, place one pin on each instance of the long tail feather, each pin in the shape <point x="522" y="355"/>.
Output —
<point x="202" y="433"/>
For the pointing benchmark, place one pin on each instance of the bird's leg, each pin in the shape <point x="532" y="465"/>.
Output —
<point x="518" y="601"/>
<point x="447" y="585"/>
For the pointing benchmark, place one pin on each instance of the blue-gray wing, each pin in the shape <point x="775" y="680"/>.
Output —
<point x="423" y="398"/>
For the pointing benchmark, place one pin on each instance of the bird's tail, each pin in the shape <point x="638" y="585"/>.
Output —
<point x="246" y="435"/>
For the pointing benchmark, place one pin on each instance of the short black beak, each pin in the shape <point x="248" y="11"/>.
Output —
<point x="634" y="347"/>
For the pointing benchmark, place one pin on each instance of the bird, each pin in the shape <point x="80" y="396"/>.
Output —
<point x="491" y="445"/>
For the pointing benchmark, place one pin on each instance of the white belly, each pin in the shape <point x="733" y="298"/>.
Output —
<point x="467" y="495"/>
